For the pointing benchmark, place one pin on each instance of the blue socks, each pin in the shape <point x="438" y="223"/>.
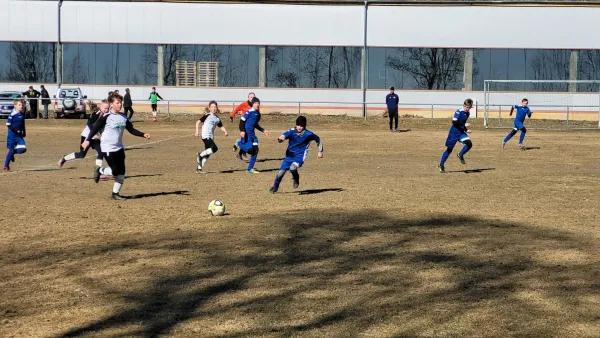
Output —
<point x="464" y="150"/>
<point x="522" y="138"/>
<point x="444" y="157"/>
<point x="508" y="137"/>
<point x="252" y="162"/>
<point x="11" y="153"/>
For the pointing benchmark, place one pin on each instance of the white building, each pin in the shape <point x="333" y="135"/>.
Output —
<point x="310" y="52"/>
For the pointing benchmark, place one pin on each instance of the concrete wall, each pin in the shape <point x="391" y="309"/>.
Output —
<point x="348" y="102"/>
<point x="296" y="25"/>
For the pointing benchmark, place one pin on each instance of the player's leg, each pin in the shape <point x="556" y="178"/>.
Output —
<point x="10" y="155"/>
<point x="396" y="120"/>
<point x="80" y="154"/>
<point x="117" y="165"/>
<point x="522" y="137"/>
<point x="467" y="146"/>
<point x="285" y="166"/>
<point x="391" y="116"/>
<point x="450" y="143"/>
<point x="253" y="152"/>
<point x="295" y="175"/>
<point x="512" y="133"/>
<point x="154" y="108"/>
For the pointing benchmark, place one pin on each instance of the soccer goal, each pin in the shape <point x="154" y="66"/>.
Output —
<point x="555" y="104"/>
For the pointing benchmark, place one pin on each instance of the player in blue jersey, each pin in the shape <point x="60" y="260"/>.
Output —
<point x="249" y="141"/>
<point x="297" y="150"/>
<point x="15" y="139"/>
<point x="522" y="111"/>
<point x="458" y="133"/>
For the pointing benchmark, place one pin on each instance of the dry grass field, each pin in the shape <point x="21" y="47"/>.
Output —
<point x="375" y="242"/>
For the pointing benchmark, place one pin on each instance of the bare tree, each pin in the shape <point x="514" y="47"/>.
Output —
<point x="172" y="53"/>
<point x="589" y="69"/>
<point x="286" y="79"/>
<point x="77" y="71"/>
<point x="550" y="65"/>
<point x="431" y="68"/>
<point x="30" y="62"/>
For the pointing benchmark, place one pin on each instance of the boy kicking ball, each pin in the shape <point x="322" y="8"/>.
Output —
<point x="297" y="150"/>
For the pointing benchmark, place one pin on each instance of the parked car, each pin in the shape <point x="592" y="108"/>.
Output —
<point x="70" y="101"/>
<point x="6" y="102"/>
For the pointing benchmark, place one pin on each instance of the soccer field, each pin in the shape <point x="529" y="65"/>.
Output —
<point x="374" y="243"/>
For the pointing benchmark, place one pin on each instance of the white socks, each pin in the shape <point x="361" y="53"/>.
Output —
<point x="203" y="162"/>
<point x="98" y="162"/>
<point x="70" y="157"/>
<point x="154" y="113"/>
<point x="106" y="171"/>
<point x="118" y="183"/>
<point x="206" y="153"/>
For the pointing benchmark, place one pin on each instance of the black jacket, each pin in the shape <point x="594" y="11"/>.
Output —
<point x="46" y="96"/>
<point x="127" y="100"/>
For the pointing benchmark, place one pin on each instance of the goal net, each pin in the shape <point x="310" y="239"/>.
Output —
<point x="555" y="104"/>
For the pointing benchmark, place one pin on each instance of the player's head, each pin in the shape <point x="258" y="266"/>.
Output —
<point x="153" y="89"/>
<point x="30" y="88"/>
<point x="103" y="106"/>
<point x="392" y="90"/>
<point x="524" y="102"/>
<point x="116" y="102"/>
<point x="300" y="123"/>
<point x="467" y="105"/>
<point x="126" y="90"/>
<point x="255" y="103"/>
<point x="250" y="96"/>
<point x="213" y="106"/>
<point x="18" y="105"/>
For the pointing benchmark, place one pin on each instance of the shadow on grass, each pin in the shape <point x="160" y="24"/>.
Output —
<point x="162" y="193"/>
<point x="244" y="170"/>
<point x="269" y="159"/>
<point x="327" y="273"/>
<point x="47" y="169"/>
<point x="470" y="171"/>
<point x="314" y="191"/>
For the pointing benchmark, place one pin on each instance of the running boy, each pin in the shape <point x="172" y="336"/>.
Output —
<point x="154" y="96"/>
<point x="15" y="139"/>
<point x="210" y="122"/>
<point x="458" y="133"/>
<point x="94" y="143"/>
<point x="249" y="142"/>
<point x="522" y="111"/>
<point x="242" y="108"/>
<point x="297" y="150"/>
<point x="111" y="142"/>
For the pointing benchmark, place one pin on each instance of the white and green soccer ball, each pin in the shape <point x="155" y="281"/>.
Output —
<point x="216" y="208"/>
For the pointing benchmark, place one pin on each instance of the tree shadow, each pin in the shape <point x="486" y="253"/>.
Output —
<point x="47" y="169"/>
<point x="470" y="171"/>
<point x="162" y="193"/>
<point x="138" y="148"/>
<point x="324" y="272"/>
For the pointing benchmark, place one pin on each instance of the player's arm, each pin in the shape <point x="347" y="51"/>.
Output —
<point x="160" y="97"/>
<point x="317" y="139"/>
<point x="198" y="127"/>
<point x="24" y="132"/>
<point x="285" y="135"/>
<point x="220" y="125"/>
<point x="135" y="132"/>
<point x="235" y="111"/>
<point x="261" y="129"/>
<point x="529" y="113"/>
<point x="512" y="109"/>
<point x="458" y="125"/>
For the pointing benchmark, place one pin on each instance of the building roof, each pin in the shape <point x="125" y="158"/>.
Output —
<point x="387" y="2"/>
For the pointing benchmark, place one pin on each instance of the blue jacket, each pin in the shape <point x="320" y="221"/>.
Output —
<point x="391" y="100"/>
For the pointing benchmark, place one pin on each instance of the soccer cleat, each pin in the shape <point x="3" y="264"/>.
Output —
<point x="6" y="169"/>
<point x="461" y="158"/>
<point x="115" y="196"/>
<point x="252" y="171"/>
<point x="61" y="162"/>
<point x="235" y="147"/>
<point x="296" y="183"/>
<point x="199" y="161"/>
<point x="97" y="174"/>
<point x="154" y="119"/>
<point x="200" y="171"/>
<point x="239" y="156"/>
<point x="12" y="158"/>
<point x="441" y="168"/>
<point x="521" y="146"/>
<point x="273" y="190"/>
<point x="503" y="144"/>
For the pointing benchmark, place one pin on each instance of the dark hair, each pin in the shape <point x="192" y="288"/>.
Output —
<point x="468" y="102"/>
<point x="524" y="99"/>
<point x="301" y="121"/>
<point x="115" y="96"/>
<point x="255" y="99"/>
<point x="213" y="101"/>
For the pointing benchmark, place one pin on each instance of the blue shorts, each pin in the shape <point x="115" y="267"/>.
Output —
<point x="288" y="161"/>
<point x="15" y="142"/>
<point x="455" y="136"/>
<point x="249" y="142"/>
<point x="519" y="125"/>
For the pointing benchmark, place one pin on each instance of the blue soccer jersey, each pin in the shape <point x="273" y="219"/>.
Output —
<point x="16" y="120"/>
<point x="458" y="130"/>
<point x="251" y="120"/>
<point x="298" y="145"/>
<point x="521" y="113"/>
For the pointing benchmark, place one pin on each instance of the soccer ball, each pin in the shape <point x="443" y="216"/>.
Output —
<point x="216" y="208"/>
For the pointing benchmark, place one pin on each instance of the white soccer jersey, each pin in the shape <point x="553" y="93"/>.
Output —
<point x="93" y="118"/>
<point x="112" y="135"/>
<point x="211" y="122"/>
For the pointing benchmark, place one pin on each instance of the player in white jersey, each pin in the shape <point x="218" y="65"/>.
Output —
<point x="94" y="143"/>
<point x="111" y="142"/>
<point x="210" y="122"/>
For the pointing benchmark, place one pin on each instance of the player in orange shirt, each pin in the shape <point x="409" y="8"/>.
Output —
<point x="243" y="108"/>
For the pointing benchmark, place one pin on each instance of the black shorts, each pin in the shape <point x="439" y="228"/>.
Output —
<point x="116" y="162"/>
<point x="94" y="144"/>
<point x="154" y="106"/>
<point x="210" y="143"/>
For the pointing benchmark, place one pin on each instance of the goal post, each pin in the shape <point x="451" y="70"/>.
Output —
<point x="555" y="104"/>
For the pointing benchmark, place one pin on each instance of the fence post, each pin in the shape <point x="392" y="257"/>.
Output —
<point x="169" y="107"/>
<point x="567" y="126"/>
<point x="298" y="108"/>
<point x="432" y="123"/>
<point x="500" y="116"/>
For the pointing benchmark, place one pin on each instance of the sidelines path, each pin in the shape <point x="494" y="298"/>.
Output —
<point x="138" y="146"/>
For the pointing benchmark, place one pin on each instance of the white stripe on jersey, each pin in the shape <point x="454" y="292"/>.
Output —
<point x="209" y="126"/>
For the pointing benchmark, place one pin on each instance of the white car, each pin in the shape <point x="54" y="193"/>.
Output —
<point x="70" y="101"/>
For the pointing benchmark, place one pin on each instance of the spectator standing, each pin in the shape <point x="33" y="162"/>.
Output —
<point x="391" y="100"/>
<point x="45" y="100"/>
<point x="32" y="95"/>
<point x="128" y="104"/>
